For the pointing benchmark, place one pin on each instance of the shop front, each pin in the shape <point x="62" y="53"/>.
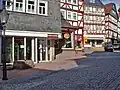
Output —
<point x="72" y="40"/>
<point x="72" y="37"/>
<point x="29" y="47"/>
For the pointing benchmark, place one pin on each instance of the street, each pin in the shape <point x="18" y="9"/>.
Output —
<point x="100" y="71"/>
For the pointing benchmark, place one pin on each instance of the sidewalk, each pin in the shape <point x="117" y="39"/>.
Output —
<point x="48" y="66"/>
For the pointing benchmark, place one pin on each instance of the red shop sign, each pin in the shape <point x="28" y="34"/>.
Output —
<point x="52" y="36"/>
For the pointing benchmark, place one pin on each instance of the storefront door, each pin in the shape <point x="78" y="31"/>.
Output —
<point x="19" y="48"/>
<point x="43" y="50"/>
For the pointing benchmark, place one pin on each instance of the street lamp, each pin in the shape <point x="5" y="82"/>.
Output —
<point x="3" y="20"/>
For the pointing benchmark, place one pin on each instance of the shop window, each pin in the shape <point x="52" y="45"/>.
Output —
<point x="8" y="49"/>
<point x="78" y="40"/>
<point x="42" y="7"/>
<point x="67" y="40"/>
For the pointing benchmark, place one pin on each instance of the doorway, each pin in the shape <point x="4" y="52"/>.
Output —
<point x="19" y="48"/>
<point x="43" y="49"/>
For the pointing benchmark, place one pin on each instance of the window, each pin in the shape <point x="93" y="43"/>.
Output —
<point x="85" y="17"/>
<point x="8" y="5"/>
<point x="31" y="6"/>
<point x="42" y="7"/>
<point x="62" y="0"/>
<point x="69" y="1"/>
<point x="92" y="1"/>
<point x="72" y="1"/>
<point x="19" y="5"/>
<point x="75" y="16"/>
<point x="99" y="10"/>
<point x="75" y="1"/>
<point x="69" y="15"/>
<point x="63" y="14"/>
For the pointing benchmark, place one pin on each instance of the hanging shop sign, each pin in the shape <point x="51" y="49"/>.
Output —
<point x="66" y="35"/>
<point x="52" y="36"/>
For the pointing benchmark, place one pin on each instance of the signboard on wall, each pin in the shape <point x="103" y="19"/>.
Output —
<point x="66" y="35"/>
<point x="52" y="36"/>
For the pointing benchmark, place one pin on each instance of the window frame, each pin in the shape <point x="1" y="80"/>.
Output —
<point x="92" y="1"/>
<point x="73" y="15"/>
<point x="11" y="6"/>
<point x="35" y="8"/>
<point x="23" y="3"/>
<point x="68" y="14"/>
<point x="46" y="7"/>
<point x="71" y="2"/>
<point x="62" y="10"/>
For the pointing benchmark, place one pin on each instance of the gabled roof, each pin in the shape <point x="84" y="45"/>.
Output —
<point x="108" y="9"/>
<point x="97" y="3"/>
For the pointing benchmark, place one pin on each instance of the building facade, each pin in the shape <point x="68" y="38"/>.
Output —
<point x="119" y="26"/>
<point x="111" y="23"/>
<point x="94" y="23"/>
<point x="72" y="13"/>
<point x="32" y="28"/>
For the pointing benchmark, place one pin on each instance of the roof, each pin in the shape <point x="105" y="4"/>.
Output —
<point x="97" y="3"/>
<point x="108" y="9"/>
<point x="66" y="24"/>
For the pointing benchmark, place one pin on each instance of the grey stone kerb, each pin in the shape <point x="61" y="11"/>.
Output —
<point x="31" y="22"/>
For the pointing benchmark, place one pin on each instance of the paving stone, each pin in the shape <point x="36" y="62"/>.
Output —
<point x="100" y="71"/>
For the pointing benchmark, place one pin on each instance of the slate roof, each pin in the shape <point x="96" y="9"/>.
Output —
<point x="97" y="3"/>
<point x="108" y="9"/>
<point x="66" y="24"/>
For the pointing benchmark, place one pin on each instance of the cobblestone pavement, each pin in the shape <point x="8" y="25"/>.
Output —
<point x="100" y="71"/>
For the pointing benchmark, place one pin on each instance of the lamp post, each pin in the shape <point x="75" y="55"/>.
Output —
<point x="3" y="19"/>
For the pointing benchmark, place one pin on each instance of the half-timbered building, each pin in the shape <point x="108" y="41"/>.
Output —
<point x="72" y="12"/>
<point x="111" y="23"/>
<point x="94" y="23"/>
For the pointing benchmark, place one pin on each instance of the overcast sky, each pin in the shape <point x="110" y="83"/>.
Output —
<point x="117" y="2"/>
